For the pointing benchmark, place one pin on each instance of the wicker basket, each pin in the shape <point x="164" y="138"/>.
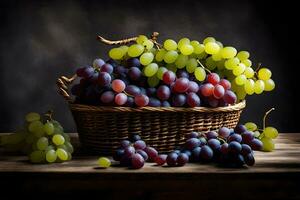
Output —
<point x="101" y="128"/>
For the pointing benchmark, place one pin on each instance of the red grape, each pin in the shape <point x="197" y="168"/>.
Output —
<point x="229" y="97"/>
<point x="143" y="153"/>
<point x="141" y="100"/>
<point x="181" y="85"/>
<point x="207" y="89"/>
<point x="163" y="92"/>
<point x="132" y="90"/>
<point x="213" y="78"/>
<point x="225" y="83"/>
<point x="120" y="99"/>
<point x="218" y="91"/>
<point x="140" y="144"/>
<point x="152" y="153"/>
<point x="169" y="77"/>
<point x="193" y="99"/>
<point x="118" y="85"/>
<point x="160" y="159"/>
<point x="129" y="151"/>
<point x="137" y="161"/>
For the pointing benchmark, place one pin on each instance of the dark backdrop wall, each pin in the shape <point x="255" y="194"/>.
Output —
<point x="41" y="40"/>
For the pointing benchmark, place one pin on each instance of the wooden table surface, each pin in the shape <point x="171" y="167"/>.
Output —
<point x="275" y="174"/>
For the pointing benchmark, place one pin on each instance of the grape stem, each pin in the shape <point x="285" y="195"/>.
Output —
<point x="203" y="66"/>
<point x="49" y="114"/>
<point x="266" y="114"/>
<point x="222" y="140"/>
<point x="128" y="94"/>
<point x="258" y="67"/>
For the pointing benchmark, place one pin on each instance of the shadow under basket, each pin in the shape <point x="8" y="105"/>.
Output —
<point x="102" y="128"/>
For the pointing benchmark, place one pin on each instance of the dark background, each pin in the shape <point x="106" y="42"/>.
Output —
<point x="41" y="40"/>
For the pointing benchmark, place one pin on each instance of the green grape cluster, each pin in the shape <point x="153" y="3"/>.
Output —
<point x="197" y="59"/>
<point x="265" y="135"/>
<point x="44" y="141"/>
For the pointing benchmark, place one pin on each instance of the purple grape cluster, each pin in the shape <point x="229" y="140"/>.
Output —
<point x="122" y="83"/>
<point x="133" y="153"/>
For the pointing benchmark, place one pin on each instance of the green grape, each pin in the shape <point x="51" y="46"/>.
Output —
<point x="249" y="86"/>
<point x="58" y="139"/>
<point x="116" y="53"/>
<point x="210" y="63"/>
<point x="62" y="154"/>
<point x="36" y="127"/>
<point x="191" y="65"/>
<point x="50" y="147"/>
<point x="37" y="156"/>
<point x="153" y="81"/>
<point x="48" y="128"/>
<point x="186" y="49"/>
<point x="104" y="162"/>
<point x="239" y="69"/>
<point x="66" y="136"/>
<point x="198" y="49"/>
<point x="243" y="55"/>
<point x="220" y="44"/>
<point x="160" y="55"/>
<point x="170" y="45"/>
<point x="228" y="52"/>
<point x="211" y="48"/>
<point x="268" y="144"/>
<point x="160" y="72"/>
<point x="270" y="132"/>
<point x="208" y="39"/>
<point x="220" y="65"/>
<point x="217" y="57"/>
<point x="172" y="67"/>
<point x="269" y="85"/>
<point x="259" y="86"/>
<point x="231" y="63"/>
<point x="124" y="48"/>
<point x="256" y="134"/>
<point x="264" y="74"/>
<point x="251" y="126"/>
<point x="42" y="143"/>
<point x="200" y="74"/>
<point x="58" y="129"/>
<point x="32" y="116"/>
<point x="182" y="42"/>
<point x="247" y="62"/>
<point x="141" y="39"/>
<point x="240" y="93"/>
<point x="170" y="56"/>
<point x="64" y="147"/>
<point x="181" y="61"/>
<point x="148" y="44"/>
<point x="249" y="72"/>
<point x="240" y="79"/>
<point x="202" y="55"/>
<point x="51" y="156"/>
<point x="153" y="51"/>
<point x="70" y="147"/>
<point x="146" y="58"/>
<point x="135" y="50"/>
<point x="150" y="69"/>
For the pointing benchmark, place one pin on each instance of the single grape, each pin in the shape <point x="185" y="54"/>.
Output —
<point x="224" y="148"/>
<point x="160" y="55"/>
<point x="118" y="85"/>
<point x="235" y="137"/>
<point x="209" y="39"/>
<point x="170" y="56"/>
<point x="247" y="62"/>
<point x="191" y="65"/>
<point x="264" y="74"/>
<point x="146" y="58"/>
<point x="62" y="154"/>
<point x="211" y="48"/>
<point x="133" y="62"/>
<point x="148" y="44"/>
<point x="249" y="72"/>
<point x="269" y="85"/>
<point x="172" y="159"/>
<point x="134" y="73"/>
<point x="152" y="153"/>
<point x="135" y="50"/>
<point x="140" y="144"/>
<point x="132" y="90"/>
<point x="49" y="128"/>
<point x="249" y="86"/>
<point x="239" y="69"/>
<point x="181" y="61"/>
<point x="213" y="78"/>
<point x="36" y="127"/>
<point x="182" y="159"/>
<point x="247" y="136"/>
<point x="121" y="99"/>
<point x="206" y="89"/>
<point x="192" y="143"/>
<point x="104" y="79"/>
<point x="58" y="139"/>
<point x="240" y="79"/>
<point x="211" y="134"/>
<point x="193" y="99"/>
<point x="225" y="83"/>
<point x="218" y="91"/>
<point x="37" y="156"/>
<point x="160" y="72"/>
<point x="129" y="151"/>
<point x="214" y="144"/>
<point x="196" y="154"/>
<point x="234" y="147"/>
<point x="230" y="97"/>
<point x="141" y="100"/>
<point x="107" y="97"/>
<point x="200" y="74"/>
<point x="107" y="68"/>
<point x="160" y="159"/>
<point x="42" y="143"/>
<point x="183" y="41"/>
<point x="178" y="100"/>
<point x="165" y="104"/>
<point x="97" y="63"/>
<point x="240" y="129"/>
<point x="141" y="39"/>
<point x="104" y="162"/>
<point x="143" y="154"/>
<point x="243" y="55"/>
<point x="150" y="69"/>
<point x="206" y="153"/>
<point x="246" y="149"/>
<point x="224" y="132"/>
<point x="51" y="156"/>
<point x="85" y="72"/>
<point x="259" y="86"/>
<point x="251" y="126"/>
<point x="268" y="144"/>
<point x="228" y="52"/>
<point x="32" y="116"/>
<point x="170" y="45"/>
<point x="169" y="77"/>
<point x="270" y="132"/>
<point x="186" y="49"/>
<point x="256" y="144"/>
<point x="231" y="63"/>
<point x="249" y="159"/>
<point x="181" y="85"/>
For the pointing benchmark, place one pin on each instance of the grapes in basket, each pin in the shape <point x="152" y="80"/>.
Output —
<point x="179" y="74"/>
<point x="42" y="139"/>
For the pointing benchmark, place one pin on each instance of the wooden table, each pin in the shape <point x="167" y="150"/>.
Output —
<point x="276" y="175"/>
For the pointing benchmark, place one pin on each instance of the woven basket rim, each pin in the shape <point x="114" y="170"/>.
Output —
<point x="82" y="107"/>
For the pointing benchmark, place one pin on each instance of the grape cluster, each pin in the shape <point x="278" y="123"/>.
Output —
<point x="183" y="74"/>
<point x="134" y="153"/>
<point x="44" y="141"/>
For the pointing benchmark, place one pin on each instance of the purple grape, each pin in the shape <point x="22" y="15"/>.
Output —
<point x="163" y="92"/>
<point x="192" y="143"/>
<point x="140" y="144"/>
<point x="172" y="159"/>
<point x="256" y="144"/>
<point x="187" y="152"/>
<point x="234" y="147"/>
<point x="193" y="100"/>
<point x="143" y="91"/>
<point x="120" y="70"/>
<point x="239" y="160"/>
<point x="98" y="63"/>
<point x="196" y="154"/>
<point x="211" y="134"/>
<point x="224" y="148"/>
<point x="206" y="153"/>
<point x="192" y="135"/>
<point x="193" y="87"/>
<point x="133" y="62"/>
<point x="132" y="90"/>
<point x="153" y="102"/>
<point x="249" y="159"/>
<point x="240" y="129"/>
<point x="104" y="79"/>
<point x="135" y="138"/>
<point x="182" y="159"/>
<point x="118" y="154"/>
<point x="246" y="149"/>
<point x="222" y="103"/>
<point x="112" y="62"/>
<point x="247" y="136"/>
<point x="214" y="144"/>
<point x="161" y="159"/>
<point x="129" y="151"/>
<point x="182" y="74"/>
<point x="165" y="104"/>
<point x="107" y="68"/>
<point x="151" y="92"/>
<point x="235" y="137"/>
<point x="85" y="72"/>
<point x="152" y="153"/>
<point x="107" y="97"/>
<point x="224" y="132"/>
<point x="137" y="161"/>
<point x="134" y="73"/>
<point x="125" y="143"/>
<point x="212" y="102"/>
<point x="142" y="153"/>
<point x="129" y="102"/>
<point x="178" y="100"/>
<point x="229" y="97"/>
